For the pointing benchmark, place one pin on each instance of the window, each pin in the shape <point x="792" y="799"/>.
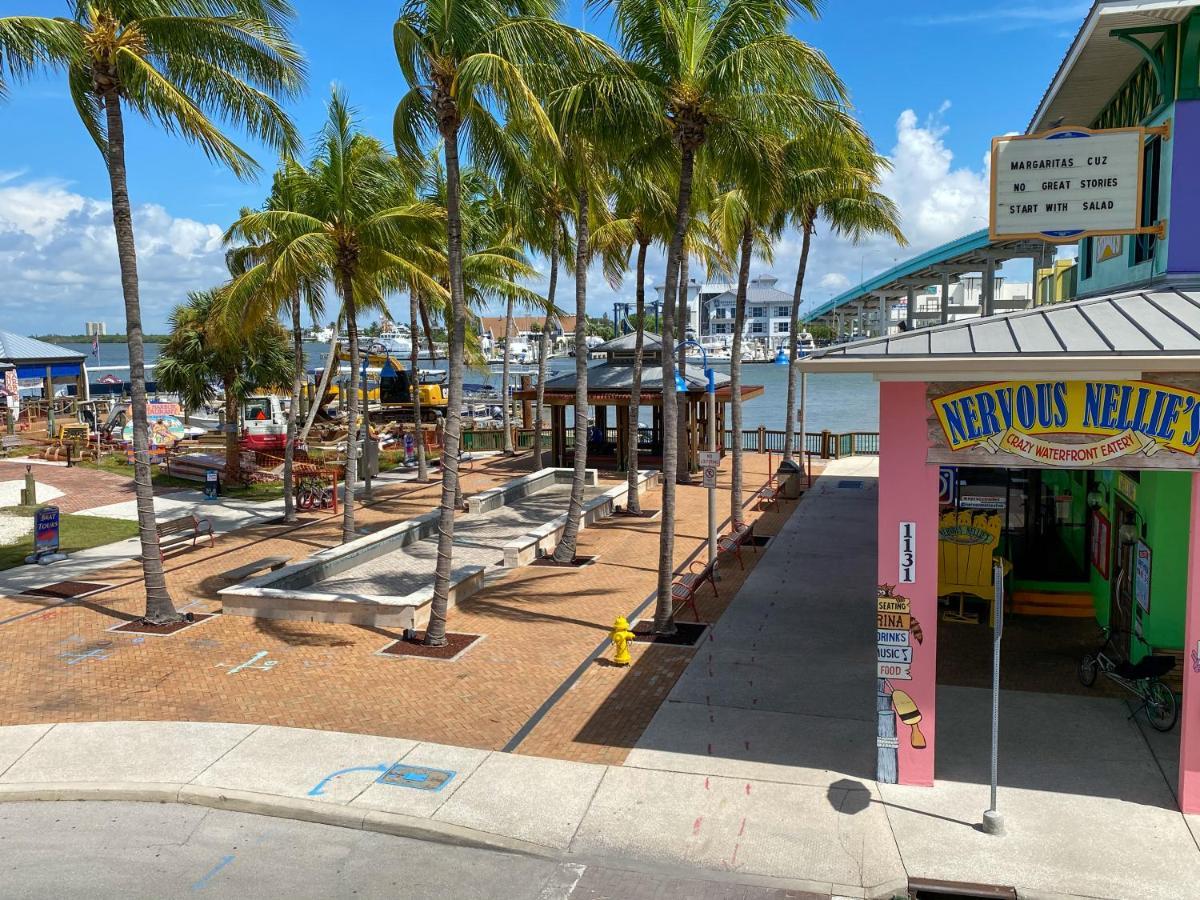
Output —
<point x="1144" y="244"/>
<point x="719" y="329"/>
<point x="757" y="328"/>
<point x="782" y="327"/>
<point x="758" y="312"/>
<point x="1085" y="258"/>
<point x="783" y="311"/>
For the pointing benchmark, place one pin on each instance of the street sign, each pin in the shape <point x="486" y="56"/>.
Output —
<point x="710" y="459"/>
<point x="45" y="530"/>
<point x="710" y="477"/>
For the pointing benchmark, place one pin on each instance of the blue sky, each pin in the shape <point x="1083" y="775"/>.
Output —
<point x="932" y="82"/>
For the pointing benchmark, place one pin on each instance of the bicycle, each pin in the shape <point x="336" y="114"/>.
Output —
<point x="311" y="493"/>
<point x="1142" y="679"/>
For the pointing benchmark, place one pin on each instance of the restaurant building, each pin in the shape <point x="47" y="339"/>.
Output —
<point x="1057" y="443"/>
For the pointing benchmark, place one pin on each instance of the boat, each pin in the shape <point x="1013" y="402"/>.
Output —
<point x="805" y="344"/>
<point x="392" y="341"/>
<point x="319" y="335"/>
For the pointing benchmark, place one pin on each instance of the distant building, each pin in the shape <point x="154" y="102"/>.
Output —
<point x="95" y="328"/>
<point x="768" y="314"/>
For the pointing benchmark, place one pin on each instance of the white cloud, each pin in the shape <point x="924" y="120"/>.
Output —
<point x="58" y="259"/>
<point x="834" y="281"/>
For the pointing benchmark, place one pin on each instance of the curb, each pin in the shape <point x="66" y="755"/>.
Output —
<point x="296" y="808"/>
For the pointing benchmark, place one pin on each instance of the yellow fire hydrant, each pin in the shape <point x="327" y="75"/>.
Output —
<point x="621" y="636"/>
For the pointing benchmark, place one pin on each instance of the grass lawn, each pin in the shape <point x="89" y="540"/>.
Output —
<point x="75" y="533"/>
<point x="253" y="492"/>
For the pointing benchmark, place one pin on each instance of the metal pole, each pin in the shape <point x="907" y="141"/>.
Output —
<point x="803" y="423"/>
<point x="993" y="822"/>
<point x="712" y="446"/>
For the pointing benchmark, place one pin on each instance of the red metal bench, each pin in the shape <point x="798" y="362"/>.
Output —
<point x="686" y="584"/>
<point x="731" y="544"/>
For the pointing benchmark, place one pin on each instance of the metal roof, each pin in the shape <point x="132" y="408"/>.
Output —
<point x="604" y="377"/>
<point x="650" y="342"/>
<point x="1160" y="327"/>
<point x="1097" y="64"/>
<point x="969" y="253"/>
<point x="17" y="348"/>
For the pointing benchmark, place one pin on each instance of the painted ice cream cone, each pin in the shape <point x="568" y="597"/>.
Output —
<point x="910" y="715"/>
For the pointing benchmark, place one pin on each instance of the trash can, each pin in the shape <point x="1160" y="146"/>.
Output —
<point x="790" y="476"/>
<point x="370" y="458"/>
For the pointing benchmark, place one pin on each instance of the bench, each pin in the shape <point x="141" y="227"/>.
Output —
<point x="731" y="544"/>
<point x="770" y="492"/>
<point x="259" y="565"/>
<point x="9" y="443"/>
<point x="185" y="528"/>
<point x="686" y="584"/>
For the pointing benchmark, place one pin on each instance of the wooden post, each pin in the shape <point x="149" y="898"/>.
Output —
<point x="762" y="438"/>
<point x="693" y="436"/>
<point x="527" y="405"/>
<point x="48" y="391"/>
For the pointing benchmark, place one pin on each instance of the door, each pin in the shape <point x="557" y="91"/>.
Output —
<point x="1120" y="619"/>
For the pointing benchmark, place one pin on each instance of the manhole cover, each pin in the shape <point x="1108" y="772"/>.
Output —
<point x="62" y="590"/>
<point x="417" y="777"/>
<point x="850" y="485"/>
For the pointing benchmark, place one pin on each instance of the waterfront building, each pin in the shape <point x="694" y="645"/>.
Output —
<point x="527" y="330"/>
<point x="1059" y="442"/>
<point x="768" y="314"/>
<point x="41" y="368"/>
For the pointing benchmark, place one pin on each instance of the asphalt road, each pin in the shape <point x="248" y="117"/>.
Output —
<point x="144" y="850"/>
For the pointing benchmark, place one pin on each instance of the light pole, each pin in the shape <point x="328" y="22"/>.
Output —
<point x="710" y="392"/>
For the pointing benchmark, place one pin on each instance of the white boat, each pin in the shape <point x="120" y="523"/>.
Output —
<point x="397" y="343"/>
<point x="805" y="344"/>
<point x="320" y="335"/>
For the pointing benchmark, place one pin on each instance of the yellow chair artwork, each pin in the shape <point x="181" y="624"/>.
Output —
<point x="967" y="544"/>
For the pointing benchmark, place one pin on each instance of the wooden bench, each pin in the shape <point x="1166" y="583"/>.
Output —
<point x="176" y="531"/>
<point x="9" y="443"/>
<point x="267" y="562"/>
<point x="686" y="584"/>
<point x="731" y="544"/>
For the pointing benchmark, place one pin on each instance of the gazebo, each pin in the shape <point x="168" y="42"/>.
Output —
<point x="610" y="386"/>
<point x="48" y="363"/>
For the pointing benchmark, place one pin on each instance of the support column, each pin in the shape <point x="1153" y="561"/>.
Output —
<point x="945" y="306"/>
<point x="988" y="303"/>
<point x="1189" y="714"/>
<point x="908" y="492"/>
<point x="884" y="318"/>
<point x="908" y="316"/>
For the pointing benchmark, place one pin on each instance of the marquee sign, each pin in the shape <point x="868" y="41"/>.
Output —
<point x="1068" y="183"/>
<point x="1071" y="424"/>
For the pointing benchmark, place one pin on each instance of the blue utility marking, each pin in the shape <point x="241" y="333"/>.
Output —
<point x="203" y="882"/>
<point x="320" y="788"/>
<point x="419" y="777"/>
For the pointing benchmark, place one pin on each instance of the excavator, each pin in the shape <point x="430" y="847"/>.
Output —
<point x="386" y="388"/>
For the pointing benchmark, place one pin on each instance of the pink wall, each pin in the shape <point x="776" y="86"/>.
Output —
<point x="908" y="492"/>
<point x="1189" y="715"/>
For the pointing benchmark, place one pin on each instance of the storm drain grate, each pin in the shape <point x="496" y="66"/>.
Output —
<point x="419" y="778"/>
<point x="65" y="590"/>
<point x="850" y="485"/>
<point x="933" y="889"/>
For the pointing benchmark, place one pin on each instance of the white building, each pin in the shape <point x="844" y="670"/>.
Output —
<point x="701" y="297"/>
<point x="768" y="314"/>
<point x="966" y="293"/>
<point x="95" y="328"/>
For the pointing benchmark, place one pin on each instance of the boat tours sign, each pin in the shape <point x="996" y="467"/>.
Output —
<point x="1067" y="424"/>
<point x="1068" y="183"/>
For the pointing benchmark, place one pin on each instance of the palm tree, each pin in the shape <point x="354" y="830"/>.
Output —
<point x="359" y="225"/>
<point x="831" y="171"/>
<point x="642" y="214"/>
<point x="180" y="64"/>
<point x="710" y="75"/>
<point x="204" y="347"/>
<point x="253" y="297"/>
<point x="464" y="61"/>
<point x="415" y="379"/>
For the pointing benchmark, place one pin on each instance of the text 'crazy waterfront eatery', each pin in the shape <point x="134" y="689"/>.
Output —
<point x="1056" y="448"/>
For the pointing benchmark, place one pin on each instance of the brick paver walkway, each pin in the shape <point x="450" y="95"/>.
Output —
<point x="82" y="488"/>
<point x="539" y="625"/>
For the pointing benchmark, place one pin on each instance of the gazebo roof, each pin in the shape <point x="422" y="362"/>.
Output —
<point x="18" y="349"/>
<point x="626" y="342"/>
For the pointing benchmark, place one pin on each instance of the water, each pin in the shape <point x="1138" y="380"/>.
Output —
<point x="839" y="403"/>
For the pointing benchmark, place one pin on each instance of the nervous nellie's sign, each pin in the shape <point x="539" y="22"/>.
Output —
<point x="1071" y="423"/>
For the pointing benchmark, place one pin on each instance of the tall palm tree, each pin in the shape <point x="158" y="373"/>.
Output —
<point x="642" y="213"/>
<point x="180" y="64"/>
<point x="831" y="171"/>
<point x="204" y="346"/>
<point x="359" y="225"/>
<point x="253" y="297"/>
<point x="710" y="75"/>
<point x="464" y="61"/>
<point x="415" y="380"/>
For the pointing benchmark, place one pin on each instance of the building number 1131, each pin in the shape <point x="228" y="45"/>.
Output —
<point x="908" y="552"/>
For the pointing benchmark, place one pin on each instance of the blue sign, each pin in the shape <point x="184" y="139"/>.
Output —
<point x="211" y="484"/>
<point x="45" y="530"/>
<point x="410" y="448"/>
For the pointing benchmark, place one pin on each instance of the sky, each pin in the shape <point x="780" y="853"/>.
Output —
<point x="932" y="82"/>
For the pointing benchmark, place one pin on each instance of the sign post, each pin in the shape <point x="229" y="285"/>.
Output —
<point x="45" y="537"/>
<point x="993" y="822"/>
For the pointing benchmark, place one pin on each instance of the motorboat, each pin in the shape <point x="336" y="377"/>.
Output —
<point x="805" y="344"/>
<point x="394" y="342"/>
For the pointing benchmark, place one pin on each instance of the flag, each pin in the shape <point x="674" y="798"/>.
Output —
<point x="96" y="345"/>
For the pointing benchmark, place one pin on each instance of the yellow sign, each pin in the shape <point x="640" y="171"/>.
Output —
<point x="889" y="621"/>
<point x="1024" y="417"/>
<point x="894" y="605"/>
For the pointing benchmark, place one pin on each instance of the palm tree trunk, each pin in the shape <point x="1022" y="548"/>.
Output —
<point x="418" y="428"/>
<point x="505" y="371"/>
<point x="567" y="546"/>
<point x="632" y="502"/>
<point x="233" y="467"/>
<point x="664" y="618"/>
<point x="543" y="352"/>
<point x="427" y="327"/>
<point x="789" y="421"/>
<point x="348" y="532"/>
<point x="289" y="449"/>
<point x="435" y="631"/>
<point x="684" y="475"/>
<point x="159" y="608"/>
<point x="735" y="371"/>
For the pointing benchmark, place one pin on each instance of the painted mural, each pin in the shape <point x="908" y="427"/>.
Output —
<point x="898" y="634"/>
